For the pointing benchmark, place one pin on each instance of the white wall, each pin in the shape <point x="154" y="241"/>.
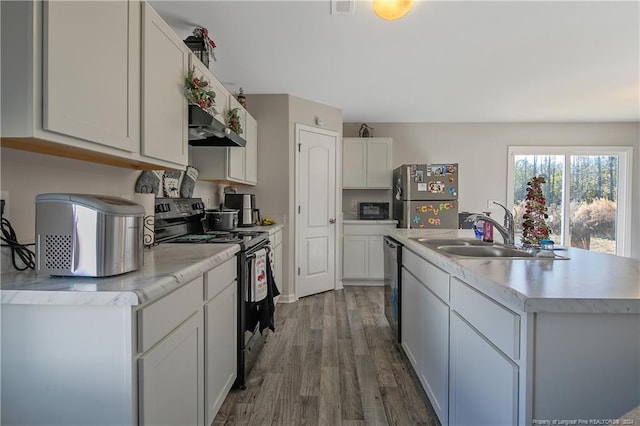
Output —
<point x="481" y="151"/>
<point x="277" y="115"/>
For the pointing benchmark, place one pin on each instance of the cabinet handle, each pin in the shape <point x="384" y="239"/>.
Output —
<point x="332" y="220"/>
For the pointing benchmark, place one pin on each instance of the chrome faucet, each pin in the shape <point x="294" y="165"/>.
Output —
<point x="507" y="230"/>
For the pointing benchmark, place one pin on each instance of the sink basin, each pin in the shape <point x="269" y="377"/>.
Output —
<point x="484" y="251"/>
<point x="451" y="242"/>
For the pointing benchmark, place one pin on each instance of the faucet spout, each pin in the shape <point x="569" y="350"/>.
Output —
<point x="507" y="230"/>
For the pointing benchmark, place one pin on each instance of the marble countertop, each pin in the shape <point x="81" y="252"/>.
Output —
<point x="166" y="267"/>
<point x="271" y="229"/>
<point x="587" y="282"/>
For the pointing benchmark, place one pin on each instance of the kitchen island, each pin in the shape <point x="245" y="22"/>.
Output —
<point x="515" y="341"/>
<point x="115" y="350"/>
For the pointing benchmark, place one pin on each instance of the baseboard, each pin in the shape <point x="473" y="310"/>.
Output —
<point x="371" y="283"/>
<point x="287" y="298"/>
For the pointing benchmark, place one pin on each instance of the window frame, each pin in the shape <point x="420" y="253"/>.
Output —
<point x="623" y="202"/>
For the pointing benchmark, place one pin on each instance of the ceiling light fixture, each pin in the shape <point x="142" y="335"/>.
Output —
<point x="392" y="9"/>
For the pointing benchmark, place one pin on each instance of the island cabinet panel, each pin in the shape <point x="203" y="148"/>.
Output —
<point x="425" y="328"/>
<point x="91" y="71"/>
<point x="171" y="377"/>
<point x="483" y="381"/>
<point x="587" y="365"/>
<point x="499" y="324"/>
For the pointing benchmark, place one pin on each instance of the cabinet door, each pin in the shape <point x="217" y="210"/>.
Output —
<point x="376" y="257"/>
<point x="236" y="156"/>
<point x="171" y="378"/>
<point x="379" y="163"/>
<point x="165" y="60"/>
<point x="251" y="150"/>
<point x="434" y="366"/>
<point x="355" y="256"/>
<point x="483" y="381"/>
<point x="277" y="265"/>
<point x="222" y="95"/>
<point x="411" y="332"/>
<point x="221" y="350"/>
<point x="91" y="71"/>
<point x="354" y="163"/>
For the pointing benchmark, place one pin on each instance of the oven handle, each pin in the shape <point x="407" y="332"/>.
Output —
<point x="252" y="255"/>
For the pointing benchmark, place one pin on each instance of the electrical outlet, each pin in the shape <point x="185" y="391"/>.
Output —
<point x="354" y="203"/>
<point x="490" y="204"/>
<point x="5" y="196"/>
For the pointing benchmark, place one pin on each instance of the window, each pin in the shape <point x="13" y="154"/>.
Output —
<point x="587" y="189"/>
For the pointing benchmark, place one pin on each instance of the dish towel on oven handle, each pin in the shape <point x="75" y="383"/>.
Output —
<point x="259" y="276"/>
<point x="262" y="311"/>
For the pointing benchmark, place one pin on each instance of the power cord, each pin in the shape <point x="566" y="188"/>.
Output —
<point x="27" y="257"/>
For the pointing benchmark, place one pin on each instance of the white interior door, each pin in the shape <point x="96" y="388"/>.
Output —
<point x="316" y="203"/>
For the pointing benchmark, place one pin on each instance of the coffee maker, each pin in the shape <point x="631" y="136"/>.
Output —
<point x="248" y="214"/>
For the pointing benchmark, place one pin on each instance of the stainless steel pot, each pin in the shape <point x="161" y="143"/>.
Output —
<point x="220" y="220"/>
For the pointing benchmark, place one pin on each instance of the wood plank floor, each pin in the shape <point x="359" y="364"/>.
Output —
<point x="331" y="361"/>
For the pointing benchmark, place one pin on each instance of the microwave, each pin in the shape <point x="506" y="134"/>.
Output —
<point x="373" y="211"/>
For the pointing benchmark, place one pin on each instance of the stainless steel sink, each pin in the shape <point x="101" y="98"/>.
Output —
<point x="484" y="251"/>
<point x="436" y="242"/>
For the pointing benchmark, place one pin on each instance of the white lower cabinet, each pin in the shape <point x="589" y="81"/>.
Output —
<point x="171" y="378"/>
<point x="221" y="353"/>
<point x="276" y="240"/>
<point x="362" y="248"/>
<point x="425" y="329"/>
<point x="484" y="381"/>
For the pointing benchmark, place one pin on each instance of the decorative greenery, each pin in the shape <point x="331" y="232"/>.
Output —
<point x="203" y="33"/>
<point x="233" y="120"/>
<point x="534" y="226"/>
<point x="198" y="92"/>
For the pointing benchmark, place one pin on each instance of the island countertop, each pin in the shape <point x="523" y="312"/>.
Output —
<point x="166" y="267"/>
<point x="586" y="282"/>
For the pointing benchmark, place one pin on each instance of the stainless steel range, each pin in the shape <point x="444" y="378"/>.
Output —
<point x="180" y="220"/>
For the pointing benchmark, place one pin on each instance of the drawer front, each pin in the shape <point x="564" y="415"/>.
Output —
<point x="499" y="324"/>
<point x="158" y="319"/>
<point x="434" y="278"/>
<point x="219" y="278"/>
<point x="276" y="238"/>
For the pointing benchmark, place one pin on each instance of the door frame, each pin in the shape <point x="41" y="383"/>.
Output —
<point x="338" y="203"/>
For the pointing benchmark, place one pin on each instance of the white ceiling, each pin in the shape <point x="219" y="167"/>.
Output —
<point x="446" y="61"/>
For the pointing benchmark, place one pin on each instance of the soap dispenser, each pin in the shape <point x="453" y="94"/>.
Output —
<point x="487" y="231"/>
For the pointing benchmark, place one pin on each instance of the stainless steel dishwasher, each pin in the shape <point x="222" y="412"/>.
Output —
<point x="392" y="285"/>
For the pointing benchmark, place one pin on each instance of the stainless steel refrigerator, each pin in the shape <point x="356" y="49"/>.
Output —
<point x="426" y="196"/>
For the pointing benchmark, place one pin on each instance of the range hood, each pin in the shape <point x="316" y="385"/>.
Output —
<point x="204" y="130"/>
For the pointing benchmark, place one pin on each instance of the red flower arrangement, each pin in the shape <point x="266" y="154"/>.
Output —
<point x="534" y="227"/>
<point x="198" y="92"/>
<point x="203" y="33"/>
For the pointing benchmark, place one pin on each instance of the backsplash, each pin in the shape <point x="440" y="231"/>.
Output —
<point x="26" y="174"/>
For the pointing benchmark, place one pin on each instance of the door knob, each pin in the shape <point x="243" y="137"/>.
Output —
<point x="332" y="220"/>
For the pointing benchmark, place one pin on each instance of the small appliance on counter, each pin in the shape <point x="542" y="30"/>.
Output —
<point x="373" y="211"/>
<point x="88" y="235"/>
<point x="426" y="196"/>
<point x="246" y="204"/>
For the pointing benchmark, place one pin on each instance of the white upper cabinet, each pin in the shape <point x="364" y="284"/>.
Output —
<point x="91" y="71"/>
<point x="230" y="164"/>
<point x="222" y="94"/>
<point x="165" y="60"/>
<point x="366" y="163"/>
<point x="251" y="150"/>
<point x="98" y="81"/>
